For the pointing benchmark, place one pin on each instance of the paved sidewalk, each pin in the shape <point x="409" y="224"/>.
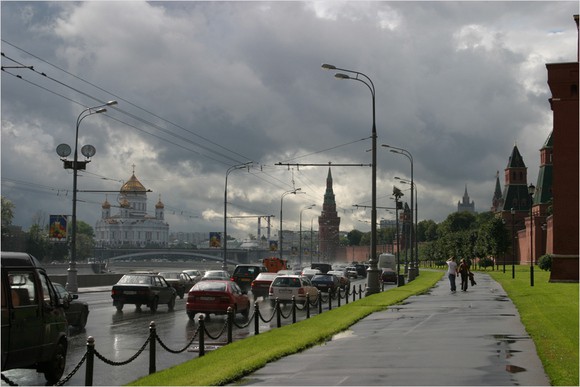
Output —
<point x="472" y="338"/>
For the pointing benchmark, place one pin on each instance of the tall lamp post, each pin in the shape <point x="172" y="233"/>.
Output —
<point x="230" y="169"/>
<point x="63" y="150"/>
<point x="300" y="232"/>
<point x="531" y="191"/>
<point x="373" y="271"/>
<point x="408" y="154"/>
<point x="413" y="187"/>
<point x="397" y="194"/>
<point x="513" y="212"/>
<point x="280" y="237"/>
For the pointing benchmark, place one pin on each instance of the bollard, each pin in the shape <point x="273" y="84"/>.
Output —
<point x="319" y="302"/>
<point x="360" y="291"/>
<point x="152" y="340"/>
<point x="329" y="300"/>
<point x="90" y="361"/>
<point x="338" y="302"/>
<point x="230" y="324"/>
<point x="307" y="305"/>
<point x="293" y="309"/>
<point x="346" y="289"/>
<point x="353" y="293"/>
<point x="256" y="318"/>
<point x="201" y="335"/>
<point x="278" y="314"/>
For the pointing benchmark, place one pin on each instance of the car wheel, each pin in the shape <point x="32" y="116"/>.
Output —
<point x="54" y="368"/>
<point x="171" y="303"/>
<point x="153" y="305"/>
<point x="246" y="312"/>
<point x="119" y="307"/>
<point x="83" y="319"/>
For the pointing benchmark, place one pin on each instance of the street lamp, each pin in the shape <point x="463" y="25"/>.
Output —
<point x="413" y="186"/>
<point x="300" y="233"/>
<point x="230" y="169"/>
<point x="280" y="237"/>
<point x="63" y="150"/>
<point x="397" y="194"/>
<point x="373" y="271"/>
<point x="414" y="266"/>
<point x="513" y="212"/>
<point x="531" y="191"/>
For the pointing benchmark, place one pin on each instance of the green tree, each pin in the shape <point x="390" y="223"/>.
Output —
<point x="37" y="243"/>
<point x="7" y="213"/>
<point x="354" y="237"/>
<point x="426" y="230"/>
<point x="458" y="221"/>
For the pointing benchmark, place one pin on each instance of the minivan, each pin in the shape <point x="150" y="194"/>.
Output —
<point x="34" y="325"/>
<point x="244" y="275"/>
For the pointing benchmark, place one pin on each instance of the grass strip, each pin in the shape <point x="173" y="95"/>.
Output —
<point x="549" y="311"/>
<point x="240" y="358"/>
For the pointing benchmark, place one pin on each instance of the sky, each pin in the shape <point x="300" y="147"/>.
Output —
<point x="203" y="87"/>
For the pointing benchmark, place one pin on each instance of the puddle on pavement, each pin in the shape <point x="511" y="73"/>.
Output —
<point x="343" y="335"/>
<point x="514" y="369"/>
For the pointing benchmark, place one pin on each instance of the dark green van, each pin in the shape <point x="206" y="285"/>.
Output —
<point x="34" y="326"/>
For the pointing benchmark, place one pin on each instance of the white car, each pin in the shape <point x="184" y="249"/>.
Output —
<point x="285" y="286"/>
<point x="307" y="272"/>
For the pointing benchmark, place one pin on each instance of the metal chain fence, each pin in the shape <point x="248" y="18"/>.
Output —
<point x="201" y="332"/>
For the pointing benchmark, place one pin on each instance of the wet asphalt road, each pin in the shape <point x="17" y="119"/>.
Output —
<point x="472" y="338"/>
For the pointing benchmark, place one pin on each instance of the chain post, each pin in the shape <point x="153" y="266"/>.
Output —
<point x="201" y="335"/>
<point x="307" y="305"/>
<point x="319" y="302"/>
<point x="152" y="347"/>
<point x="90" y="361"/>
<point x="293" y="309"/>
<point x="359" y="291"/>
<point x="230" y="324"/>
<point x="338" y="302"/>
<point x="278" y="314"/>
<point x="256" y="318"/>
<point x="353" y="293"/>
<point x="329" y="300"/>
<point x="346" y="293"/>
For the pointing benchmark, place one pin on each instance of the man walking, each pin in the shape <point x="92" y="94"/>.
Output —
<point x="452" y="273"/>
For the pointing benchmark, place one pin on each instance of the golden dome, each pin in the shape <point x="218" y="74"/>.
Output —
<point x="133" y="185"/>
<point x="106" y="204"/>
<point x="125" y="204"/>
<point x="160" y="203"/>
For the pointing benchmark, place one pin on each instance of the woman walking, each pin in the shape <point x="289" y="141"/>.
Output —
<point x="464" y="272"/>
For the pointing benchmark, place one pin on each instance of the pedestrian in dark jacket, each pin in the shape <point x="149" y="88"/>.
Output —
<point x="464" y="273"/>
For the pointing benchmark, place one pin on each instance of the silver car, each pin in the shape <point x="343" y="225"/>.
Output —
<point x="285" y="286"/>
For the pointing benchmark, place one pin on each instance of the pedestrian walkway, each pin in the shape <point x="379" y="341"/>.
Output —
<point x="439" y="338"/>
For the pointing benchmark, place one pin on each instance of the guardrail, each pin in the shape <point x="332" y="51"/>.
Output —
<point x="201" y="331"/>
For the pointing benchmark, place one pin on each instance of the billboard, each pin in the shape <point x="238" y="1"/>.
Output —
<point x="57" y="228"/>
<point x="215" y="239"/>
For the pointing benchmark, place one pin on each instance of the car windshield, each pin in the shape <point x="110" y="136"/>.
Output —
<point x="213" y="273"/>
<point x="247" y="270"/>
<point x="135" y="279"/>
<point x="210" y="286"/>
<point x="322" y="277"/>
<point x="290" y="282"/>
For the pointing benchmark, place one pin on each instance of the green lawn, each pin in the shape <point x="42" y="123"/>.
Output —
<point x="549" y="311"/>
<point x="252" y="353"/>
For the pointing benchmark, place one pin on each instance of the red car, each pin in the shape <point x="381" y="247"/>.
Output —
<point x="216" y="296"/>
<point x="261" y="285"/>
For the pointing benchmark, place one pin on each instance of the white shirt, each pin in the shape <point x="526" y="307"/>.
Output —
<point x="452" y="267"/>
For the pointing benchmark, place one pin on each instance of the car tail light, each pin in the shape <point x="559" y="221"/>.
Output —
<point x="232" y="279"/>
<point x="253" y="284"/>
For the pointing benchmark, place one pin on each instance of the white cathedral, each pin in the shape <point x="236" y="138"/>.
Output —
<point x="132" y="227"/>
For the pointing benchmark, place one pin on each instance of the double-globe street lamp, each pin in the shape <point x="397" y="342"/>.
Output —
<point x="300" y="232"/>
<point x="63" y="150"/>
<point x="280" y="237"/>
<point x="230" y="169"/>
<point x="406" y="153"/>
<point x="373" y="271"/>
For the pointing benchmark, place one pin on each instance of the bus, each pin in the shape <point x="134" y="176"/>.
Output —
<point x="387" y="261"/>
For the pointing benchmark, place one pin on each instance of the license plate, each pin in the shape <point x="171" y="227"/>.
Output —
<point x="207" y="298"/>
<point x="129" y="292"/>
<point x="285" y="291"/>
<point x="245" y="279"/>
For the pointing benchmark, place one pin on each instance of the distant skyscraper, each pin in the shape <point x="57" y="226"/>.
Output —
<point x="328" y="224"/>
<point x="465" y="204"/>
